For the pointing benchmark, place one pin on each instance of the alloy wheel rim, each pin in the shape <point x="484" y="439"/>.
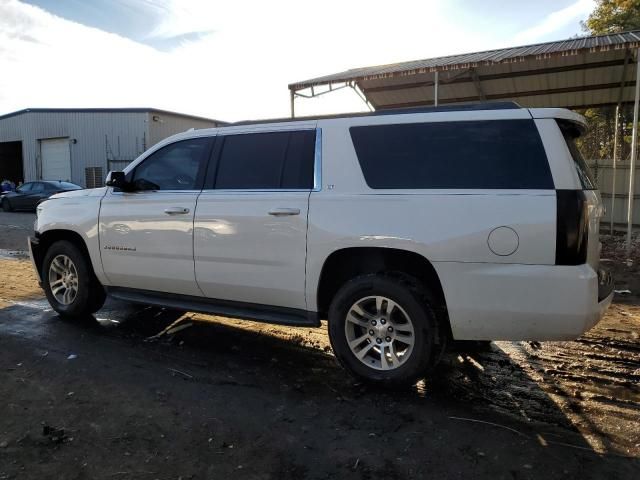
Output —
<point x="63" y="279"/>
<point x="379" y="333"/>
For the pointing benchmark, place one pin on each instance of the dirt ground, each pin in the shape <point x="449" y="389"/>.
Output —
<point x="114" y="397"/>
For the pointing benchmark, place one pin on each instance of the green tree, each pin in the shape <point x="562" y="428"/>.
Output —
<point x="609" y="16"/>
<point x="612" y="16"/>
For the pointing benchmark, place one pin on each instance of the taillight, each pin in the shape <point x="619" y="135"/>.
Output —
<point x="572" y="227"/>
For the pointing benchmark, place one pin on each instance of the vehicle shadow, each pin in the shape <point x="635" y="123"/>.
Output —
<point x="490" y="388"/>
<point x="492" y="380"/>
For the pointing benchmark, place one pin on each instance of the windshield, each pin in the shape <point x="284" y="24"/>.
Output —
<point x="571" y="133"/>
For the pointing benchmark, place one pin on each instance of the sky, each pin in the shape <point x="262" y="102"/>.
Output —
<point x="232" y="60"/>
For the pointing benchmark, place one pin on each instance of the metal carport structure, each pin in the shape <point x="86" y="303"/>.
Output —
<point x="583" y="72"/>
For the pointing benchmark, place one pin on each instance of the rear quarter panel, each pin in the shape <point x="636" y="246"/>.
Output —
<point x="441" y="225"/>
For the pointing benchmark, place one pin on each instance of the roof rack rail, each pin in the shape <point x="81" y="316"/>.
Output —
<point x="458" y="107"/>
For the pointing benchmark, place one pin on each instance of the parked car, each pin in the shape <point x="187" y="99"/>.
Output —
<point x="405" y="229"/>
<point x="29" y="195"/>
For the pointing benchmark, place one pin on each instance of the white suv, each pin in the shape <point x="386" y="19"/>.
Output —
<point x="403" y="228"/>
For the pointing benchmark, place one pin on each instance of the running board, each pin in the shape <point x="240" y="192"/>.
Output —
<point x="225" y="308"/>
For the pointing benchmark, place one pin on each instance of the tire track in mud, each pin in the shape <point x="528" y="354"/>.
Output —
<point x="590" y="386"/>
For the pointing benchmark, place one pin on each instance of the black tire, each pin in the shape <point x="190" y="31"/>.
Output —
<point x="414" y="301"/>
<point x="90" y="294"/>
<point x="6" y="206"/>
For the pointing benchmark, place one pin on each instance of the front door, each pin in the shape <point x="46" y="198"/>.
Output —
<point x="22" y="199"/>
<point x="146" y="236"/>
<point x="36" y="195"/>
<point x="251" y="219"/>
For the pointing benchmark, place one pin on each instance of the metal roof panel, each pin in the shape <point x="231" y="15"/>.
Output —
<point x="572" y="46"/>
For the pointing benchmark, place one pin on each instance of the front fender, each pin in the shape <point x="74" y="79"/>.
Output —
<point x="77" y="215"/>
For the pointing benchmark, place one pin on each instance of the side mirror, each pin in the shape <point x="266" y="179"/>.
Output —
<point x="117" y="180"/>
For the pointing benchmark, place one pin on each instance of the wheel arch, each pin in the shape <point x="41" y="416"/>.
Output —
<point x="49" y="237"/>
<point x="347" y="263"/>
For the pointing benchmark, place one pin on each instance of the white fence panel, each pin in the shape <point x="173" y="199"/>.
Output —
<point x="604" y="173"/>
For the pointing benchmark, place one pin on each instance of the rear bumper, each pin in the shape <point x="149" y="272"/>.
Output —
<point x="35" y="254"/>
<point x="523" y="302"/>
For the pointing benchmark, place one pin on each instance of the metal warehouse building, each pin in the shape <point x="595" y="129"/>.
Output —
<point x="82" y="145"/>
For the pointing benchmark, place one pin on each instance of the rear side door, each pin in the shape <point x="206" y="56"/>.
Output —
<point x="251" y="219"/>
<point x="146" y="236"/>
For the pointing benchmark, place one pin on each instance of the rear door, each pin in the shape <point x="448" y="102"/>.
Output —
<point x="251" y="220"/>
<point x="146" y="236"/>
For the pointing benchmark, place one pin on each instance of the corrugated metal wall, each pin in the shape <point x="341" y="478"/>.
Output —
<point x="99" y="137"/>
<point x="109" y="140"/>
<point x="166" y="124"/>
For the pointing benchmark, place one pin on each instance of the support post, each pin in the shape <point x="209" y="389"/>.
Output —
<point x="634" y="154"/>
<point x="476" y="82"/>
<point x="435" y="90"/>
<point x="293" y="99"/>
<point x="615" y="161"/>
<point x="627" y="57"/>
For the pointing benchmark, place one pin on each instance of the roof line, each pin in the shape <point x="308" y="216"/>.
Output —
<point x="108" y="110"/>
<point x="458" y="107"/>
<point x="572" y="44"/>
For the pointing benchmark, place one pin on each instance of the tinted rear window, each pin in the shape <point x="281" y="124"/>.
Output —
<point x="495" y="154"/>
<point x="274" y="160"/>
<point x="571" y="133"/>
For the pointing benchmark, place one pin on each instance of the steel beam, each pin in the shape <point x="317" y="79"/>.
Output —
<point x="634" y="154"/>
<point x="499" y="76"/>
<point x="514" y="97"/>
<point x="616" y="125"/>
<point x="293" y="100"/>
<point x="615" y="161"/>
<point x="476" y="82"/>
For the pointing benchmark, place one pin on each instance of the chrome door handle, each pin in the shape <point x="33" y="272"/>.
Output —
<point x="281" y="212"/>
<point x="176" y="210"/>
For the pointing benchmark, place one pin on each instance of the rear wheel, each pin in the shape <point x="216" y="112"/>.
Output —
<point x="383" y="330"/>
<point x="6" y="206"/>
<point x="69" y="282"/>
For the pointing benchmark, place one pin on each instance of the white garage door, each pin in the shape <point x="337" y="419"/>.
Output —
<point x="56" y="159"/>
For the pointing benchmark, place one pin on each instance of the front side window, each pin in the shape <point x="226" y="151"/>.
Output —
<point x="178" y="166"/>
<point x="490" y="154"/>
<point x="274" y="160"/>
<point x="37" y="188"/>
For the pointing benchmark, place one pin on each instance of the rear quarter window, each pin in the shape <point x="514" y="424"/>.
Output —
<point x="491" y="154"/>
<point x="571" y="134"/>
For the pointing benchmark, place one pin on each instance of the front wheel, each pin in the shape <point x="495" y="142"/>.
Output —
<point x="6" y="206"/>
<point x="383" y="330"/>
<point x="69" y="282"/>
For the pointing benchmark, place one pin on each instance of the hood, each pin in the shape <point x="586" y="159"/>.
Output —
<point x="85" y="192"/>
